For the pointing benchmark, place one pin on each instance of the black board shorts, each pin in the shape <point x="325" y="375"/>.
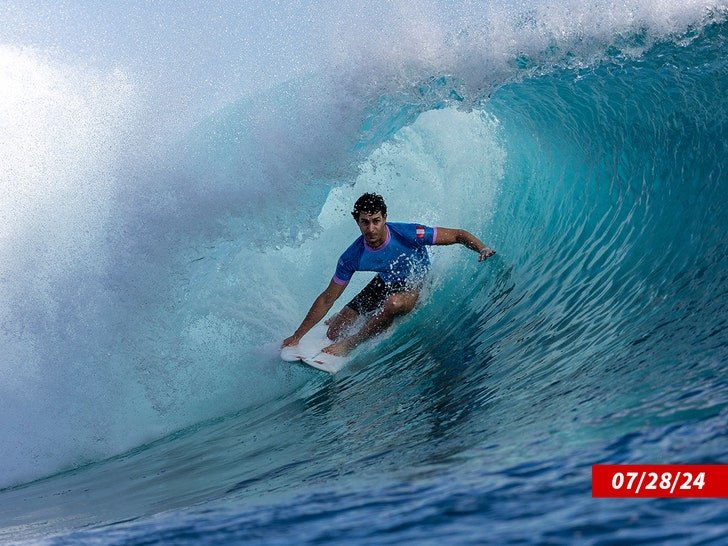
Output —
<point x="374" y="294"/>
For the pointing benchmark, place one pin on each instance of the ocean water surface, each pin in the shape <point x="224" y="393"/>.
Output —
<point x="176" y="181"/>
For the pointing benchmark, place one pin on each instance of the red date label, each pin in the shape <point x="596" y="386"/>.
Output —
<point x="659" y="480"/>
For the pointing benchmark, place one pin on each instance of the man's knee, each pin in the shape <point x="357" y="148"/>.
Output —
<point x="342" y="320"/>
<point x="399" y="304"/>
<point x="349" y="314"/>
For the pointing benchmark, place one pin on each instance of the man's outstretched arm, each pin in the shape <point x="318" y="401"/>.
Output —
<point x="320" y="307"/>
<point x="448" y="236"/>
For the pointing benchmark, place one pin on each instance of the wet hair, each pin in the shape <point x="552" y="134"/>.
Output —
<point x="369" y="203"/>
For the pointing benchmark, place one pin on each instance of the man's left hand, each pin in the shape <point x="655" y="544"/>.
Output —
<point x="485" y="253"/>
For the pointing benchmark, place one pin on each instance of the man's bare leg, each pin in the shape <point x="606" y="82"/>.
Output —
<point x="340" y="322"/>
<point x="396" y="305"/>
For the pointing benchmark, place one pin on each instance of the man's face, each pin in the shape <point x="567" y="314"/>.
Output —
<point x="373" y="228"/>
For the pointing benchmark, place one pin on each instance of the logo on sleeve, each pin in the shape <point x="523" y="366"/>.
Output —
<point x="420" y="232"/>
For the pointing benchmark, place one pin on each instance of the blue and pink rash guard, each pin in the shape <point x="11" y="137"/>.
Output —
<point x="402" y="258"/>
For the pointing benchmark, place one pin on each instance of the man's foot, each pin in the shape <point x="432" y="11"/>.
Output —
<point x="341" y="348"/>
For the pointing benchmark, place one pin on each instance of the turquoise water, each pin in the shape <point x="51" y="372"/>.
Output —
<point x="155" y="258"/>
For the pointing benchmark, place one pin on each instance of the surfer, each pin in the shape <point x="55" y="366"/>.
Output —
<point x="396" y="251"/>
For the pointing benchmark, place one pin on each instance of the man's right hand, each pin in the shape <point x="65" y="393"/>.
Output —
<point x="290" y="341"/>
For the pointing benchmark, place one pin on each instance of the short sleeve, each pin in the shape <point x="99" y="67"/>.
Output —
<point x="419" y="234"/>
<point x="344" y="270"/>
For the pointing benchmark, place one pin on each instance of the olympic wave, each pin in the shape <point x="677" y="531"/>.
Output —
<point x="146" y="287"/>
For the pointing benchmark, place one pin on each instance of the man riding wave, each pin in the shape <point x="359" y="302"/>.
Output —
<point x="397" y="253"/>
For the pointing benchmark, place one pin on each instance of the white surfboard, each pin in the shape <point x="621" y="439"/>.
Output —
<point x="326" y="362"/>
<point x="308" y="351"/>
